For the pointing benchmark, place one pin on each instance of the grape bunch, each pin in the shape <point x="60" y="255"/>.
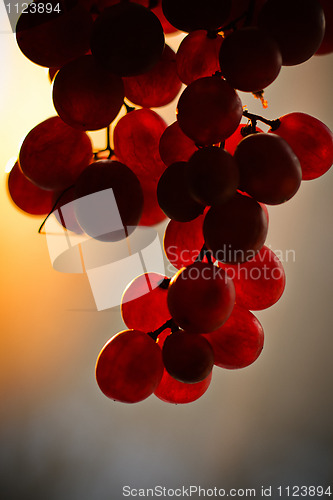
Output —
<point x="209" y="172"/>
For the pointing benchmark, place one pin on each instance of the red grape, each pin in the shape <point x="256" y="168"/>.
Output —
<point x="101" y="216"/>
<point x="268" y="167"/>
<point x="190" y="15"/>
<point x="156" y="87"/>
<point x="198" y="56"/>
<point x="174" y="196"/>
<point x="183" y="241"/>
<point x="171" y="390"/>
<point x="144" y="302"/>
<point x="260" y="282"/>
<point x="53" y="154"/>
<point x="175" y="145"/>
<point x="242" y="130"/>
<point x="151" y="212"/>
<point x="239" y="342"/>
<point x="250" y="60"/>
<point x="86" y="96"/>
<point x="209" y="110"/>
<point x="311" y="141"/>
<point x="201" y="297"/>
<point x="326" y="46"/>
<point x="53" y="39"/>
<point x="26" y="196"/>
<point x="187" y="358"/>
<point x="128" y="39"/>
<point x="64" y="210"/>
<point x="297" y="26"/>
<point x="236" y="230"/>
<point x="136" y="139"/>
<point x="212" y="175"/>
<point x="129" y="367"/>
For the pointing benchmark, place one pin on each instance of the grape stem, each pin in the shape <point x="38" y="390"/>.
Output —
<point x="250" y="12"/>
<point x="54" y="207"/>
<point x="168" y="324"/>
<point x="274" y="124"/>
<point x="108" y="145"/>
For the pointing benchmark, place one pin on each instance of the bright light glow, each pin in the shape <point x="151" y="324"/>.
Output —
<point x="10" y="164"/>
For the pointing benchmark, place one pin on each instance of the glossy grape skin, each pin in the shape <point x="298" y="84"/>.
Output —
<point x="197" y="56"/>
<point x="209" y="110"/>
<point x="311" y="141"/>
<point x="171" y="390"/>
<point x="326" y="46"/>
<point x="174" y="196"/>
<point x="115" y="36"/>
<point x="250" y="60"/>
<point x="239" y="342"/>
<point x="157" y="87"/>
<point x="53" y="39"/>
<point x="26" y="196"/>
<point x="260" y="282"/>
<point x="95" y="220"/>
<point x="212" y="175"/>
<point x="236" y="230"/>
<point x="183" y="241"/>
<point x="268" y="167"/>
<point x="136" y="143"/>
<point x="86" y="96"/>
<point x="239" y="10"/>
<point x="175" y="145"/>
<point x="129" y="367"/>
<point x="144" y="302"/>
<point x="297" y="26"/>
<point x="53" y="154"/>
<point x="200" y="298"/>
<point x="190" y="15"/>
<point x="187" y="358"/>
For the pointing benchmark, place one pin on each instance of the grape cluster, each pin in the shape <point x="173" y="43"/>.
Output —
<point x="211" y="174"/>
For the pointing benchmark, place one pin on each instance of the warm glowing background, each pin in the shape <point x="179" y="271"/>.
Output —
<point x="269" y="424"/>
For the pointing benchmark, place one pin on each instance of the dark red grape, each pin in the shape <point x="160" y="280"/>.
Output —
<point x="201" y="297"/>
<point x="53" y="154"/>
<point x="171" y="390"/>
<point x="187" y="358"/>
<point x="64" y="210"/>
<point x="53" y="39"/>
<point x="242" y="131"/>
<point x="156" y="87"/>
<point x="86" y="96"/>
<point x="151" y="212"/>
<point x="326" y="46"/>
<point x="144" y="302"/>
<point x="250" y="60"/>
<point x="236" y="230"/>
<point x="136" y="141"/>
<point x="260" y="282"/>
<point x="212" y="175"/>
<point x="127" y="39"/>
<point x="183" y="241"/>
<point x="175" y="145"/>
<point x="239" y="342"/>
<point x="174" y="196"/>
<point x="26" y="196"/>
<point x="129" y="367"/>
<point x="297" y="26"/>
<point x="190" y="15"/>
<point x="209" y="110"/>
<point x="108" y="216"/>
<point x="198" y="56"/>
<point x="268" y="167"/>
<point x="311" y="141"/>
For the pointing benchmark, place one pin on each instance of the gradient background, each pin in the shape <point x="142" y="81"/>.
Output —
<point x="268" y="424"/>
